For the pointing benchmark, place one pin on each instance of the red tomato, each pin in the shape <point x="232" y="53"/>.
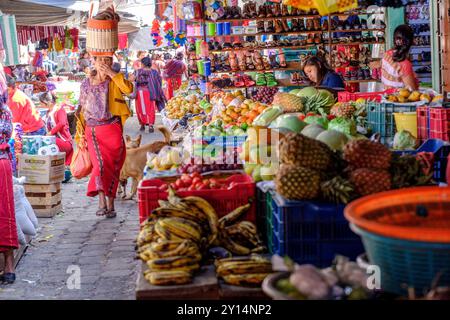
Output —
<point x="179" y="183"/>
<point x="173" y="186"/>
<point x="213" y="181"/>
<point x="196" y="180"/>
<point x="330" y="117"/>
<point x="187" y="181"/>
<point x="232" y="185"/>
<point x="198" y="185"/>
<point x="206" y="181"/>
<point x="204" y="186"/>
<point x="191" y="188"/>
<point x="163" y="187"/>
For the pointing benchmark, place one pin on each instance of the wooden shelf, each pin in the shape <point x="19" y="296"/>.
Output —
<point x="346" y="14"/>
<point x="358" y="30"/>
<point x="304" y="16"/>
<point x="309" y="46"/>
<point x="260" y="34"/>
<point x="282" y="83"/>
<point x="293" y="66"/>
<point x="356" y="43"/>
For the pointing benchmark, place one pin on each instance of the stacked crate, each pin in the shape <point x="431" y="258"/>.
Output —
<point x="44" y="175"/>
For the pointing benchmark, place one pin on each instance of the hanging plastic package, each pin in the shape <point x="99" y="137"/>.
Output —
<point x="68" y="42"/>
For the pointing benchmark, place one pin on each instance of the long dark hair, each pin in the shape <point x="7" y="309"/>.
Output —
<point x="47" y="98"/>
<point x="322" y="67"/>
<point x="403" y="40"/>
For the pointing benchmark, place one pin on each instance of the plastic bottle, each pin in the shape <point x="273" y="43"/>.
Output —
<point x="204" y="50"/>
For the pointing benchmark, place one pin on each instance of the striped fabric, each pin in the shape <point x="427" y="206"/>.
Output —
<point x="38" y="33"/>
<point x="9" y="36"/>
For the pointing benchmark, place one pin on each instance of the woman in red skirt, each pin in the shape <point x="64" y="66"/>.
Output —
<point x="149" y="94"/>
<point x="58" y="125"/>
<point x="173" y="73"/>
<point x="8" y="230"/>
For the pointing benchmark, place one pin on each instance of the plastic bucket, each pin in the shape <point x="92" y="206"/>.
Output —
<point x="406" y="121"/>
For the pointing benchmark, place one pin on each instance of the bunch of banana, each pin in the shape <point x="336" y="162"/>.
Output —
<point x="240" y="238"/>
<point x="167" y="278"/>
<point x="167" y="249"/>
<point x="243" y="271"/>
<point x="147" y="233"/>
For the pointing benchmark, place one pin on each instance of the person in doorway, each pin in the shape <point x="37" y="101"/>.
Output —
<point x="149" y="94"/>
<point x="8" y="230"/>
<point x="104" y="112"/>
<point x="396" y="69"/>
<point x="24" y="111"/>
<point x="173" y="74"/>
<point x="137" y="63"/>
<point x="320" y="74"/>
<point x="57" y="124"/>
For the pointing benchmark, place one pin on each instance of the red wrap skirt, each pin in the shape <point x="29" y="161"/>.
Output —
<point x="145" y="108"/>
<point x="107" y="152"/>
<point x="67" y="147"/>
<point x="8" y="230"/>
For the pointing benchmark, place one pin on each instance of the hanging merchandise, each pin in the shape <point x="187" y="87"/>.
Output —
<point x="10" y="43"/>
<point x="38" y="59"/>
<point x="38" y="33"/>
<point x="123" y="41"/>
<point x="324" y="7"/>
<point x="68" y="42"/>
<point x="74" y="33"/>
<point x="57" y="44"/>
<point x="155" y="33"/>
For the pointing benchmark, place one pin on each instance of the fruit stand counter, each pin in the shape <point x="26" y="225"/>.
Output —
<point x="229" y="292"/>
<point x="203" y="287"/>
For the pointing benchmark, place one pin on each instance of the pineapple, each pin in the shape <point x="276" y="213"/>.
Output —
<point x="367" y="154"/>
<point x="288" y="102"/>
<point x="297" y="183"/>
<point x="369" y="181"/>
<point x="338" y="190"/>
<point x="296" y="149"/>
<point x="343" y="110"/>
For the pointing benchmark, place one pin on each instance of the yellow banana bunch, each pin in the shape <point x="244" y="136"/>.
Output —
<point x="146" y="235"/>
<point x="184" y="248"/>
<point x="167" y="278"/>
<point x="244" y="267"/>
<point x="181" y="228"/>
<point x="165" y="234"/>
<point x="233" y="216"/>
<point x="253" y="279"/>
<point x="189" y="214"/>
<point x="210" y="213"/>
<point x="171" y="262"/>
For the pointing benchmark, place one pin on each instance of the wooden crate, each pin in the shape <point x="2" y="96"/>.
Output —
<point x="44" y="198"/>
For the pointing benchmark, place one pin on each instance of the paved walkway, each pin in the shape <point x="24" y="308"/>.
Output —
<point x="77" y="242"/>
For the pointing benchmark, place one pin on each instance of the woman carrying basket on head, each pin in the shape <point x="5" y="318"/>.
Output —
<point x="104" y="112"/>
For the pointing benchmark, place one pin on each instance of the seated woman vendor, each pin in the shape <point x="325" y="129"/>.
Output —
<point x="321" y="75"/>
<point x="57" y="124"/>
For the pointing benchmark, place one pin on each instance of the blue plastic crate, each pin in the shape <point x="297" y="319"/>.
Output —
<point x="224" y="141"/>
<point x="311" y="231"/>
<point x="441" y="151"/>
<point x="407" y="263"/>
<point x="380" y="118"/>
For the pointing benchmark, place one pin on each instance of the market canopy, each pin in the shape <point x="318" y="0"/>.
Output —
<point x="57" y="13"/>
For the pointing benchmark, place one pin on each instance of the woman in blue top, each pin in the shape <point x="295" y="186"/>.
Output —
<point x="321" y="75"/>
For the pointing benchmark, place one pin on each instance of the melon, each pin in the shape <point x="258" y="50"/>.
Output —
<point x="268" y="172"/>
<point x="334" y="139"/>
<point x="290" y="122"/>
<point x="307" y="92"/>
<point x="312" y="130"/>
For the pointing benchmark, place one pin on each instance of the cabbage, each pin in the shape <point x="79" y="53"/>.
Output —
<point x="404" y="140"/>
<point x="343" y="125"/>
<point x="334" y="139"/>
<point x="321" y="121"/>
<point x="290" y="122"/>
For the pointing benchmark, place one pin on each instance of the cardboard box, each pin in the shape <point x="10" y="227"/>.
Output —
<point x="42" y="169"/>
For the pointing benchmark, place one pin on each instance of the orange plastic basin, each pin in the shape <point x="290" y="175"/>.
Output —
<point x="415" y="214"/>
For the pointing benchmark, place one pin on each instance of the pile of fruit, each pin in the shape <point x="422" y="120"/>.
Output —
<point x="242" y="113"/>
<point x="310" y="169"/>
<point x="179" y="106"/>
<point x="194" y="181"/>
<point x="305" y="100"/>
<point x="265" y="94"/>
<point x="244" y="271"/>
<point x="174" y="240"/>
<point x="168" y="158"/>
<point x="219" y="128"/>
<point x="213" y="166"/>
<point x="408" y="96"/>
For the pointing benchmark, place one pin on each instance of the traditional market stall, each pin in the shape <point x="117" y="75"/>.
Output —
<point x="274" y="172"/>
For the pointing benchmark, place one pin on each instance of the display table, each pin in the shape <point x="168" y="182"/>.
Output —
<point x="229" y="292"/>
<point x="204" y="287"/>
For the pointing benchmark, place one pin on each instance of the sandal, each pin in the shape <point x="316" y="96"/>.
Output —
<point x="270" y="27"/>
<point x="278" y="26"/>
<point x="239" y="82"/>
<point x="111" y="214"/>
<point x="241" y="61"/>
<point x="233" y="61"/>
<point x="102" y="211"/>
<point x="248" y="81"/>
<point x="8" y="278"/>
<point x="257" y="60"/>
<point x="270" y="80"/>
<point x="249" y="62"/>
<point x="266" y="63"/>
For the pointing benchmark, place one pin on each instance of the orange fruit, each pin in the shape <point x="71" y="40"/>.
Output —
<point x="252" y="114"/>
<point x="233" y="115"/>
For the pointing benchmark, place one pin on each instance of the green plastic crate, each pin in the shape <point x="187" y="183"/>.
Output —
<point x="380" y="118"/>
<point x="264" y="217"/>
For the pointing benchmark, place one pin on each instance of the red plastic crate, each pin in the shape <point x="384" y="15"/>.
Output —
<point x="345" y="96"/>
<point x="423" y="125"/>
<point x="439" y="122"/>
<point x="223" y="201"/>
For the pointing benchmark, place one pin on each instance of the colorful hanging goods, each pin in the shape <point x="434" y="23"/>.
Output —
<point x="324" y="7"/>
<point x="155" y="31"/>
<point x="102" y="33"/>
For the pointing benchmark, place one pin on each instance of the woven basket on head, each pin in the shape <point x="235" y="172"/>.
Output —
<point x="102" y="37"/>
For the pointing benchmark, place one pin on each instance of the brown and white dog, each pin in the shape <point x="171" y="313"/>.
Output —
<point x="136" y="160"/>
<point x="130" y="143"/>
